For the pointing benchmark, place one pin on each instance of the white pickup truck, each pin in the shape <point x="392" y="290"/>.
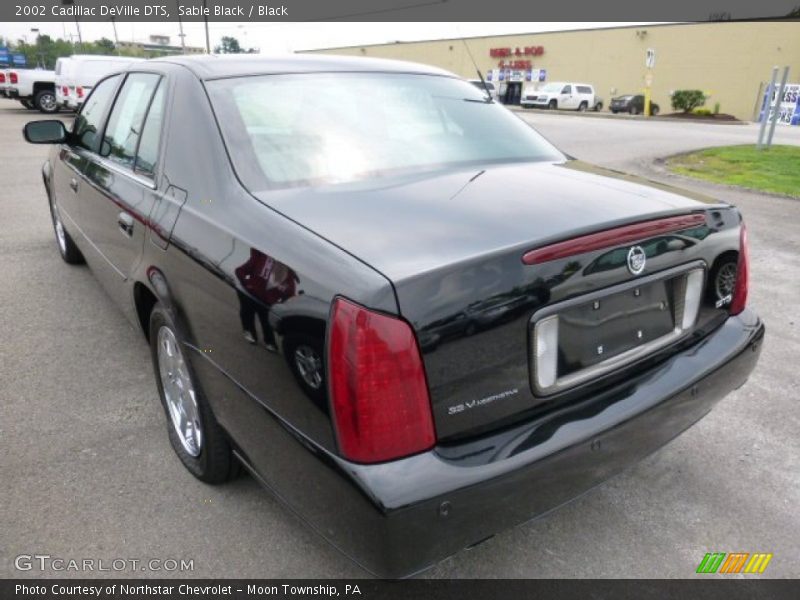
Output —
<point x="34" y="88"/>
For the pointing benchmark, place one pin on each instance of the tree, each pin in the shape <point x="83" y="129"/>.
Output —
<point x="230" y="45"/>
<point x="687" y="100"/>
<point x="106" y="45"/>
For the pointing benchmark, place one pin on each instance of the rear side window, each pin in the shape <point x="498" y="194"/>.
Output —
<point x="127" y="118"/>
<point x="89" y="121"/>
<point x="147" y="155"/>
<point x="584" y="89"/>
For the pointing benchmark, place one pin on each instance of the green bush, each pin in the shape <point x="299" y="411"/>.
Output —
<point x="702" y="111"/>
<point x="687" y="100"/>
<point x="716" y="108"/>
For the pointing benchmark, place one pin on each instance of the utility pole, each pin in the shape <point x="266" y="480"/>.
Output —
<point x="114" y="25"/>
<point x="205" y="18"/>
<point x="181" y="34"/>
<point x="77" y="23"/>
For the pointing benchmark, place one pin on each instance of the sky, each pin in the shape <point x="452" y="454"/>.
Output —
<point x="272" y="38"/>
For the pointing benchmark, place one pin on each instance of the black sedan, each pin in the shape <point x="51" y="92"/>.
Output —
<point x="374" y="288"/>
<point x="633" y="104"/>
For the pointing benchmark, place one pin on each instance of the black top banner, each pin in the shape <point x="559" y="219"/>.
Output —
<point x="394" y="10"/>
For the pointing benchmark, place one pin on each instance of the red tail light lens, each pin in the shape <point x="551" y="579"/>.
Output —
<point x="79" y="91"/>
<point x="2" y="77"/>
<point x="379" y="395"/>
<point x="739" y="299"/>
<point x="65" y="90"/>
<point x="13" y="77"/>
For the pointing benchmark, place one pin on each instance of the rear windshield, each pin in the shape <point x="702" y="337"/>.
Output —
<point x="313" y="129"/>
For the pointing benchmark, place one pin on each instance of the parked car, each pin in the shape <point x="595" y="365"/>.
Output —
<point x="560" y="95"/>
<point x="77" y="74"/>
<point x="485" y="86"/>
<point x="33" y="87"/>
<point x="633" y="104"/>
<point x="337" y="296"/>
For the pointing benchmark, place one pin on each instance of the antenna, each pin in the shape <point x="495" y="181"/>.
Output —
<point x="477" y="70"/>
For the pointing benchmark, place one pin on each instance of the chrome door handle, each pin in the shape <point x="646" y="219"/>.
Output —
<point x="74" y="184"/>
<point x="125" y="222"/>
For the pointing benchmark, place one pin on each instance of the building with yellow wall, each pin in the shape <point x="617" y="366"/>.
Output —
<point x="730" y="61"/>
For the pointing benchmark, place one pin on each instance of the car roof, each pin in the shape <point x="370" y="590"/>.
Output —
<point x="103" y="57"/>
<point x="217" y="66"/>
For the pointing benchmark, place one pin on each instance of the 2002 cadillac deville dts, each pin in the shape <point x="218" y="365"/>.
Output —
<point x="389" y="298"/>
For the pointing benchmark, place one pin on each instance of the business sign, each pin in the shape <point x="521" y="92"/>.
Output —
<point x="5" y="57"/>
<point x="516" y="58"/>
<point x="788" y="108"/>
<point x="19" y="60"/>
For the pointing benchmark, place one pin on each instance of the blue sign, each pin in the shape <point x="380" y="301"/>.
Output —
<point x="4" y="56"/>
<point x="19" y="60"/>
<point x="542" y="74"/>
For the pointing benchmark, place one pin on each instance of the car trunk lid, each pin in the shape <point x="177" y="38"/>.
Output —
<point x="453" y="245"/>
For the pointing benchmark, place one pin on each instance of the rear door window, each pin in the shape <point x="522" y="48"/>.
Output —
<point x="125" y="124"/>
<point x="584" y="89"/>
<point x="88" y="123"/>
<point x="147" y="155"/>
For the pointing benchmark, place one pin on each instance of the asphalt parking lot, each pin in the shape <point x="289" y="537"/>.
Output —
<point x="86" y="470"/>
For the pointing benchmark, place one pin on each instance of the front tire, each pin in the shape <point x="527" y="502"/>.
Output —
<point x="46" y="102"/>
<point x="194" y="433"/>
<point x="66" y="247"/>
<point x="552" y="105"/>
<point x="582" y="107"/>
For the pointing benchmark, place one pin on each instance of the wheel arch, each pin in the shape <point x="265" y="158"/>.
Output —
<point x="43" y="86"/>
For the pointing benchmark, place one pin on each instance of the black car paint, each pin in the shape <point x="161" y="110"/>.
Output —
<point x="198" y="238"/>
<point x="632" y="104"/>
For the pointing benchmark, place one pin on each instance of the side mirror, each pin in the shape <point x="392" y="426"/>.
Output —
<point x="45" y="132"/>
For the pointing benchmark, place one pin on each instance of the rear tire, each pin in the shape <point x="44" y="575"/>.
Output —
<point x="46" y="102"/>
<point x="66" y="247"/>
<point x="194" y="433"/>
<point x="598" y="107"/>
<point x="654" y="111"/>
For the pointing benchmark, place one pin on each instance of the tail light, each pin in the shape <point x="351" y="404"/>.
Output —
<point x="379" y="394"/>
<point x="739" y="297"/>
<point x="79" y="91"/>
<point x="2" y="77"/>
<point x="12" y="77"/>
<point x="65" y="90"/>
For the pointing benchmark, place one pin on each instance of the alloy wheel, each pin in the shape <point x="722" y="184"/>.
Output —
<point x="179" y="392"/>
<point x="309" y="365"/>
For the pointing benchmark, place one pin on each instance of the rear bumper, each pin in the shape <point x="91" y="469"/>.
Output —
<point x="398" y="518"/>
